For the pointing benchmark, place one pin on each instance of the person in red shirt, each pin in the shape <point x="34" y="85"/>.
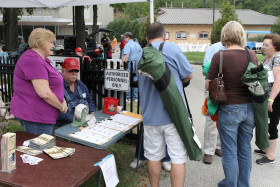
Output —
<point x="122" y="44"/>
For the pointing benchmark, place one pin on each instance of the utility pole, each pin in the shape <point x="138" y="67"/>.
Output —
<point x="213" y="12"/>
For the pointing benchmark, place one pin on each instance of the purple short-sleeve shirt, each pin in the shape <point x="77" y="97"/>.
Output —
<point x="26" y="104"/>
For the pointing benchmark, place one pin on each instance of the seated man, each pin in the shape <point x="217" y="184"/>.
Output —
<point x="75" y="92"/>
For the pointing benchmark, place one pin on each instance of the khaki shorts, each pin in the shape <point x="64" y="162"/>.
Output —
<point x="156" y="137"/>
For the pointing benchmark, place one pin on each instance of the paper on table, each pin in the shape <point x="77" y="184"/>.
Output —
<point x="125" y="119"/>
<point x="114" y="125"/>
<point x="109" y="171"/>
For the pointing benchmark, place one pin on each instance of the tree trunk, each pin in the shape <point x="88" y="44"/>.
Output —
<point x="94" y="26"/>
<point x="10" y="27"/>
<point x="80" y="27"/>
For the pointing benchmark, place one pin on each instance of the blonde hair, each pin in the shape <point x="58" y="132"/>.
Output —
<point x="39" y="38"/>
<point x="233" y="33"/>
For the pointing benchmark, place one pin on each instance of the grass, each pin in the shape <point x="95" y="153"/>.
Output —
<point x="199" y="56"/>
<point x="195" y="56"/>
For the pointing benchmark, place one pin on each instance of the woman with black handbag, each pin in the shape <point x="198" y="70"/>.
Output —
<point x="235" y="116"/>
<point x="271" y="48"/>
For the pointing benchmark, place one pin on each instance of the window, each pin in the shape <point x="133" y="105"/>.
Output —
<point x="167" y="35"/>
<point x="181" y="35"/>
<point x="203" y="35"/>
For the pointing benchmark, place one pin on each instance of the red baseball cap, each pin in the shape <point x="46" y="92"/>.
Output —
<point x="78" y="49"/>
<point x="70" y="63"/>
<point x="97" y="51"/>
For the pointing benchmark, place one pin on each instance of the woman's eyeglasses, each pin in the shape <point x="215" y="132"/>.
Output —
<point x="74" y="70"/>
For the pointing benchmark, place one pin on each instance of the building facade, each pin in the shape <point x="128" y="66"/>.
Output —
<point x="60" y="20"/>
<point x="192" y="27"/>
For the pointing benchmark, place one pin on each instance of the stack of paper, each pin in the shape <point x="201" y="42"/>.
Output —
<point x="44" y="141"/>
<point x="59" y="152"/>
<point x="8" y="152"/>
<point x="28" y="150"/>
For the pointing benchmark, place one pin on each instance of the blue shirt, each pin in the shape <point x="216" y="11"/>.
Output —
<point x="81" y="96"/>
<point x="212" y="50"/>
<point x="4" y="56"/>
<point x="132" y="49"/>
<point x="152" y="107"/>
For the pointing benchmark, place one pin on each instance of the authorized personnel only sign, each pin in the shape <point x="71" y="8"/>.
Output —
<point x="117" y="79"/>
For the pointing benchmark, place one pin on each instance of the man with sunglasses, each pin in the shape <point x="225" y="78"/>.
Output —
<point x="75" y="91"/>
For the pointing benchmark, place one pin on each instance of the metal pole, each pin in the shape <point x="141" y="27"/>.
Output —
<point x="73" y="11"/>
<point x="151" y="11"/>
<point x="213" y="12"/>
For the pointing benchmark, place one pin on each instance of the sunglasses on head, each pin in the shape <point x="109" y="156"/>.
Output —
<point x="74" y="70"/>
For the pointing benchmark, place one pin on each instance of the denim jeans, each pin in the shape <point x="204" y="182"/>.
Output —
<point x="236" y="124"/>
<point x="36" y="128"/>
<point x="135" y="90"/>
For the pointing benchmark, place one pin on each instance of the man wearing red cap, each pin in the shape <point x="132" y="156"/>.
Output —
<point x="79" y="51"/>
<point x="75" y="91"/>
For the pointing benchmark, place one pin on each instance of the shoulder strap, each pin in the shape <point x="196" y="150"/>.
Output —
<point x="248" y="55"/>
<point x="221" y="62"/>
<point x="161" y="46"/>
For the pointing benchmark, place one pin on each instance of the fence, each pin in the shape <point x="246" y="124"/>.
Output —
<point x="6" y="77"/>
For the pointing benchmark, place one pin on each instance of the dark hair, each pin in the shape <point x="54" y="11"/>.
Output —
<point x="128" y="34"/>
<point x="275" y="38"/>
<point x="155" y="30"/>
<point x="4" y="48"/>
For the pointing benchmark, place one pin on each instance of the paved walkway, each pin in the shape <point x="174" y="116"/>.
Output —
<point x="199" y="174"/>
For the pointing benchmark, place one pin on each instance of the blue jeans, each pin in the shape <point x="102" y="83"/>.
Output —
<point x="135" y="90"/>
<point x="236" y="124"/>
<point x="36" y="128"/>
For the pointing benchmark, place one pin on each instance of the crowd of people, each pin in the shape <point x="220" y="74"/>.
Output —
<point x="50" y="97"/>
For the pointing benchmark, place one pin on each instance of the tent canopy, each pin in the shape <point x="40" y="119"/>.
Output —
<point x="59" y="3"/>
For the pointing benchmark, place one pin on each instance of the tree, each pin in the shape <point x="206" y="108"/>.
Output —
<point x="227" y="14"/>
<point x="276" y="27"/>
<point x="10" y="22"/>
<point x="95" y="16"/>
<point x="80" y="27"/>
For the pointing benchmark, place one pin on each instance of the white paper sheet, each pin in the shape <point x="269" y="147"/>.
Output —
<point x="109" y="170"/>
<point x="125" y="119"/>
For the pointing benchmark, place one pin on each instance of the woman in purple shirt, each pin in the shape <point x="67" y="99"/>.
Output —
<point x="38" y="87"/>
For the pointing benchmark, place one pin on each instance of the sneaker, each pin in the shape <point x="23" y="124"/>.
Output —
<point x="127" y="100"/>
<point x="207" y="159"/>
<point x="166" y="166"/>
<point x="259" y="152"/>
<point x="135" y="100"/>
<point x="133" y="164"/>
<point x="265" y="160"/>
<point x="218" y="152"/>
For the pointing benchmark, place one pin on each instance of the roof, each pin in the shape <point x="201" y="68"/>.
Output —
<point x="202" y="16"/>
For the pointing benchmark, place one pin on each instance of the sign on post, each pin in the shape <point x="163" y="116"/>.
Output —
<point x="116" y="79"/>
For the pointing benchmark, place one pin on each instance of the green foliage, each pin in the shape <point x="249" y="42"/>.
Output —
<point x="137" y="10"/>
<point x="120" y="26"/>
<point x="227" y="14"/>
<point x="276" y="27"/>
<point x="142" y="32"/>
<point x="270" y="7"/>
<point x="258" y="38"/>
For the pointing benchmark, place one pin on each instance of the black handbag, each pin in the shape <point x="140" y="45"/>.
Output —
<point x="217" y="90"/>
